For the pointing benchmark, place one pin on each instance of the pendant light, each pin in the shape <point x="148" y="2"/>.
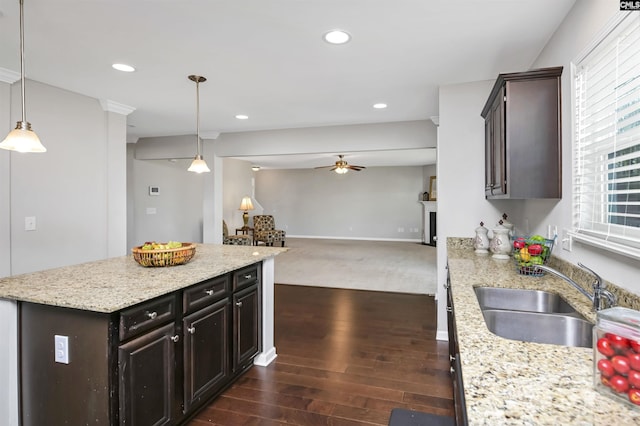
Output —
<point x="22" y="138"/>
<point x="198" y="165"/>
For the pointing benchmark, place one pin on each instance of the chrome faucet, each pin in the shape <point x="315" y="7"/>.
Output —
<point x="599" y="291"/>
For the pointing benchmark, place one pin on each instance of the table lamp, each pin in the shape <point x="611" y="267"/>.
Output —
<point x="246" y="205"/>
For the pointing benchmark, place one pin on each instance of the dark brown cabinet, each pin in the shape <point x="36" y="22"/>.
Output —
<point x="206" y="359"/>
<point x="454" y="359"/>
<point x="523" y="136"/>
<point x="247" y="316"/>
<point x="147" y="378"/>
<point x="155" y="363"/>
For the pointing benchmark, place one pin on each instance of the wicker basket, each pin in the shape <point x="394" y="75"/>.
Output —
<point x="167" y="257"/>
<point x="526" y="264"/>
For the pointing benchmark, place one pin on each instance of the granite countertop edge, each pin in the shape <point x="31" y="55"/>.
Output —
<point x="509" y="382"/>
<point x="113" y="284"/>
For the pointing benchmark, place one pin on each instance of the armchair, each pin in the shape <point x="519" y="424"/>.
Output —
<point x="264" y="230"/>
<point x="236" y="240"/>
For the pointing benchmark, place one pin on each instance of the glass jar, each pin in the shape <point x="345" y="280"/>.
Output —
<point x="616" y="354"/>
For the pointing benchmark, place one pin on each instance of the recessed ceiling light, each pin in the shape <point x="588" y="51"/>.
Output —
<point x="123" y="67"/>
<point x="242" y="117"/>
<point x="380" y="106"/>
<point x="337" y="37"/>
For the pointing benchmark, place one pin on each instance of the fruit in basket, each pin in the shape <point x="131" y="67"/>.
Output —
<point x="519" y="243"/>
<point x="524" y="255"/>
<point x="535" y="249"/>
<point x="157" y="246"/>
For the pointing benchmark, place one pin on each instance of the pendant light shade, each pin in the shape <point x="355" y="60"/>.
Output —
<point x="198" y="165"/>
<point x="22" y="138"/>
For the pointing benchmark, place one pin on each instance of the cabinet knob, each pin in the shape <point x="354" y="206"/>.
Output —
<point x="209" y="292"/>
<point x="452" y="370"/>
<point x="191" y="330"/>
<point x="449" y="309"/>
<point x="175" y="338"/>
<point x="248" y="277"/>
<point x="239" y="304"/>
<point x="152" y="315"/>
<point x="452" y="358"/>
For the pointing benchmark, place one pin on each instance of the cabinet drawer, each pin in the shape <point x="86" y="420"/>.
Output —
<point x="246" y="276"/>
<point x="205" y="293"/>
<point x="146" y="316"/>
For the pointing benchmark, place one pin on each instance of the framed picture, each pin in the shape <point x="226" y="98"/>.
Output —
<point x="433" y="189"/>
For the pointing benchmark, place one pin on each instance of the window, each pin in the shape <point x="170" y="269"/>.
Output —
<point x="606" y="175"/>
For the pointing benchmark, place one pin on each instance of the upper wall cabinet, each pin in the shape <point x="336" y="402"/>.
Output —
<point x="523" y="139"/>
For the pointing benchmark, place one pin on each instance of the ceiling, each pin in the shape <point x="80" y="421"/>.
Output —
<point x="267" y="58"/>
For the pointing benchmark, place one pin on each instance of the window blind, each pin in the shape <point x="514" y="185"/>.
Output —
<point x="606" y="175"/>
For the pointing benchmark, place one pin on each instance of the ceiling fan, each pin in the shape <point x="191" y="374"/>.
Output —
<point x="342" y="167"/>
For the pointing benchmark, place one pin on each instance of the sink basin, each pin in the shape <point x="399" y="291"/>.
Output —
<point x="521" y="300"/>
<point x="557" y="329"/>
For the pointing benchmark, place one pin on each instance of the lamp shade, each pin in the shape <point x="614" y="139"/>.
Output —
<point x="198" y="165"/>
<point x="22" y="139"/>
<point x="246" y="204"/>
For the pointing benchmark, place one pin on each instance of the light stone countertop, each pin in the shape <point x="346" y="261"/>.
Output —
<point x="509" y="382"/>
<point x="113" y="284"/>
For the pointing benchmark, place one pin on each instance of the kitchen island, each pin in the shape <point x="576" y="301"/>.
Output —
<point x="509" y="382"/>
<point x="111" y="310"/>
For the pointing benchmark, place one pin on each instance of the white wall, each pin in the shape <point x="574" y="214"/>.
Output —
<point x="178" y="208"/>
<point x="461" y="160"/>
<point x="371" y="204"/>
<point x="238" y="181"/>
<point x="331" y="139"/>
<point x="68" y="188"/>
<point x="580" y="28"/>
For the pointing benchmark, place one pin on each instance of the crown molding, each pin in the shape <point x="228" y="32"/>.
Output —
<point x="116" y="107"/>
<point x="8" y="76"/>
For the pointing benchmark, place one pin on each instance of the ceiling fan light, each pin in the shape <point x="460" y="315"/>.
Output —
<point x="23" y="139"/>
<point x="341" y="170"/>
<point x="198" y="165"/>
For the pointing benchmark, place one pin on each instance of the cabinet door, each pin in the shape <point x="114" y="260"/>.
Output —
<point x="498" y="146"/>
<point x="206" y="352"/>
<point x="147" y="378"/>
<point x="246" y="326"/>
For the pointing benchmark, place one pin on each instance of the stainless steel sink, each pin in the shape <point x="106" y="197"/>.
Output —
<point x="557" y="329"/>
<point x="521" y="300"/>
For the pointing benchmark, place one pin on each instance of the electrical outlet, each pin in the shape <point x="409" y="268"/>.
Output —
<point x="61" y="348"/>
<point x="567" y="241"/>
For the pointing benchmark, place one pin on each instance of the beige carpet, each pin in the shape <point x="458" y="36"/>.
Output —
<point x="364" y="265"/>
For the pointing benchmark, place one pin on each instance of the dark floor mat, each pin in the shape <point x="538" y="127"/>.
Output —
<point x="402" y="417"/>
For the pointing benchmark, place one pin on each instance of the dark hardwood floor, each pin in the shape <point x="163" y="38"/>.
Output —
<point x="345" y="357"/>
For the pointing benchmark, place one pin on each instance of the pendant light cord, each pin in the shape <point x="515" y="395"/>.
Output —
<point x="198" y="116"/>
<point x="24" y="106"/>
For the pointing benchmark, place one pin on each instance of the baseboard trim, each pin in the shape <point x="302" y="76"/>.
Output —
<point x="265" y="358"/>
<point x="319" y="237"/>
<point x="442" y="335"/>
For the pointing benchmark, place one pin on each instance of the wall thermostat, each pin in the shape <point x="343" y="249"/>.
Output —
<point x="154" y="190"/>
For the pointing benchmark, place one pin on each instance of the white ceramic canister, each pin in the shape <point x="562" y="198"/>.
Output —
<point x="501" y="242"/>
<point x="481" y="242"/>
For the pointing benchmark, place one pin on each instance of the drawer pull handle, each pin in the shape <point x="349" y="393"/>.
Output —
<point x="175" y="338"/>
<point x="209" y="292"/>
<point x="191" y="330"/>
<point x="452" y="370"/>
<point x="452" y="358"/>
<point x="239" y="304"/>
<point x="152" y="315"/>
<point x="248" y="277"/>
<point x="449" y="309"/>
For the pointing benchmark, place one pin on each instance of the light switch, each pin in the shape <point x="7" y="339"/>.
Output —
<point x="30" y="223"/>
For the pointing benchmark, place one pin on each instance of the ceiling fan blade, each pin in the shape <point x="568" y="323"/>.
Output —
<point x="356" y="168"/>
<point x="323" y="167"/>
